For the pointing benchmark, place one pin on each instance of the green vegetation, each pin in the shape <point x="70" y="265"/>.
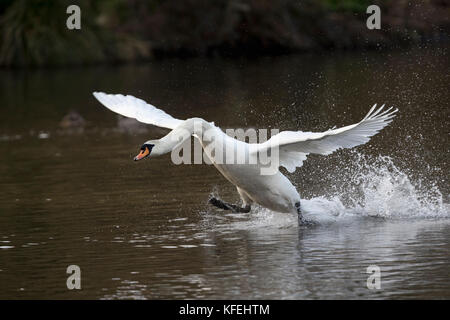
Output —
<point x="34" y="33"/>
<point x="356" y="6"/>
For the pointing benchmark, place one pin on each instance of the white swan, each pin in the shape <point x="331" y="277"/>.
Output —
<point x="273" y="191"/>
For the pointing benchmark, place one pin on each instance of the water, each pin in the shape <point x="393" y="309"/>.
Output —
<point x="144" y="230"/>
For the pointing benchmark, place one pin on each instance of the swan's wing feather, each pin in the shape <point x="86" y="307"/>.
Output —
<point x="132" y="107"/>
<point x="294" y="146"/>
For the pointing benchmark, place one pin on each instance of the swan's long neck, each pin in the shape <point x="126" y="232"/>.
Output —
<point x="167" y="143"/>
<point x="180" y="134"/>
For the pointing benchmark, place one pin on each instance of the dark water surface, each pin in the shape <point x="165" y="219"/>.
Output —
<point x="144" y="230"/>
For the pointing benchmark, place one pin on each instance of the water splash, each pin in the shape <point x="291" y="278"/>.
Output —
<point x="376" y="187"/>
<point x="369" y="187"/>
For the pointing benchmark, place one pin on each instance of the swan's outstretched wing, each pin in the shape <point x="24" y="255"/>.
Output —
<point x="294" y="146"/>
<point x="132" y="107"/>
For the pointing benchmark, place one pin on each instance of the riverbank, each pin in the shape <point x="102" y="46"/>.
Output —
<point x="33" y="33"/>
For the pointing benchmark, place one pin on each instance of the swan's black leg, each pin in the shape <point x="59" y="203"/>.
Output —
<point x="301" y="220"/>
<point x="245" y="209"/>
<point x="219" y="203"/>
<point x="227" y="206"/>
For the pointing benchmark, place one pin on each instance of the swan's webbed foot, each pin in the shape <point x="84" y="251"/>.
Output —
<point x="301" y="220"/>
<point x="218" y="203"/>
<point x="228" y="206"/>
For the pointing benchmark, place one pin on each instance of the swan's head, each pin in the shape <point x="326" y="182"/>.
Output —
<point x="145" y="151"/>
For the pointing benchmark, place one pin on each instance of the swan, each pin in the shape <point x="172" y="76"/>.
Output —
<point x="271" y="190"/>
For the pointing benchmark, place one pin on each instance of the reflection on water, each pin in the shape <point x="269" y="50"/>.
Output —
<point x="71" y="194"/>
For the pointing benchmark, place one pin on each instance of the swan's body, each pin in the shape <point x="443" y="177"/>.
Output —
<point x="273" y="191"/>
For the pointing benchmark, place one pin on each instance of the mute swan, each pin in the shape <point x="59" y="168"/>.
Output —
<point x="273" y="191"/>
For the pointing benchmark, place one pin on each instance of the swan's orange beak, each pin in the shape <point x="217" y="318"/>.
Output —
<point x="144" y="153"/>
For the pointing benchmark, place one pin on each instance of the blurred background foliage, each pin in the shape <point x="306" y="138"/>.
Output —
<point x="34" y="33"/>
